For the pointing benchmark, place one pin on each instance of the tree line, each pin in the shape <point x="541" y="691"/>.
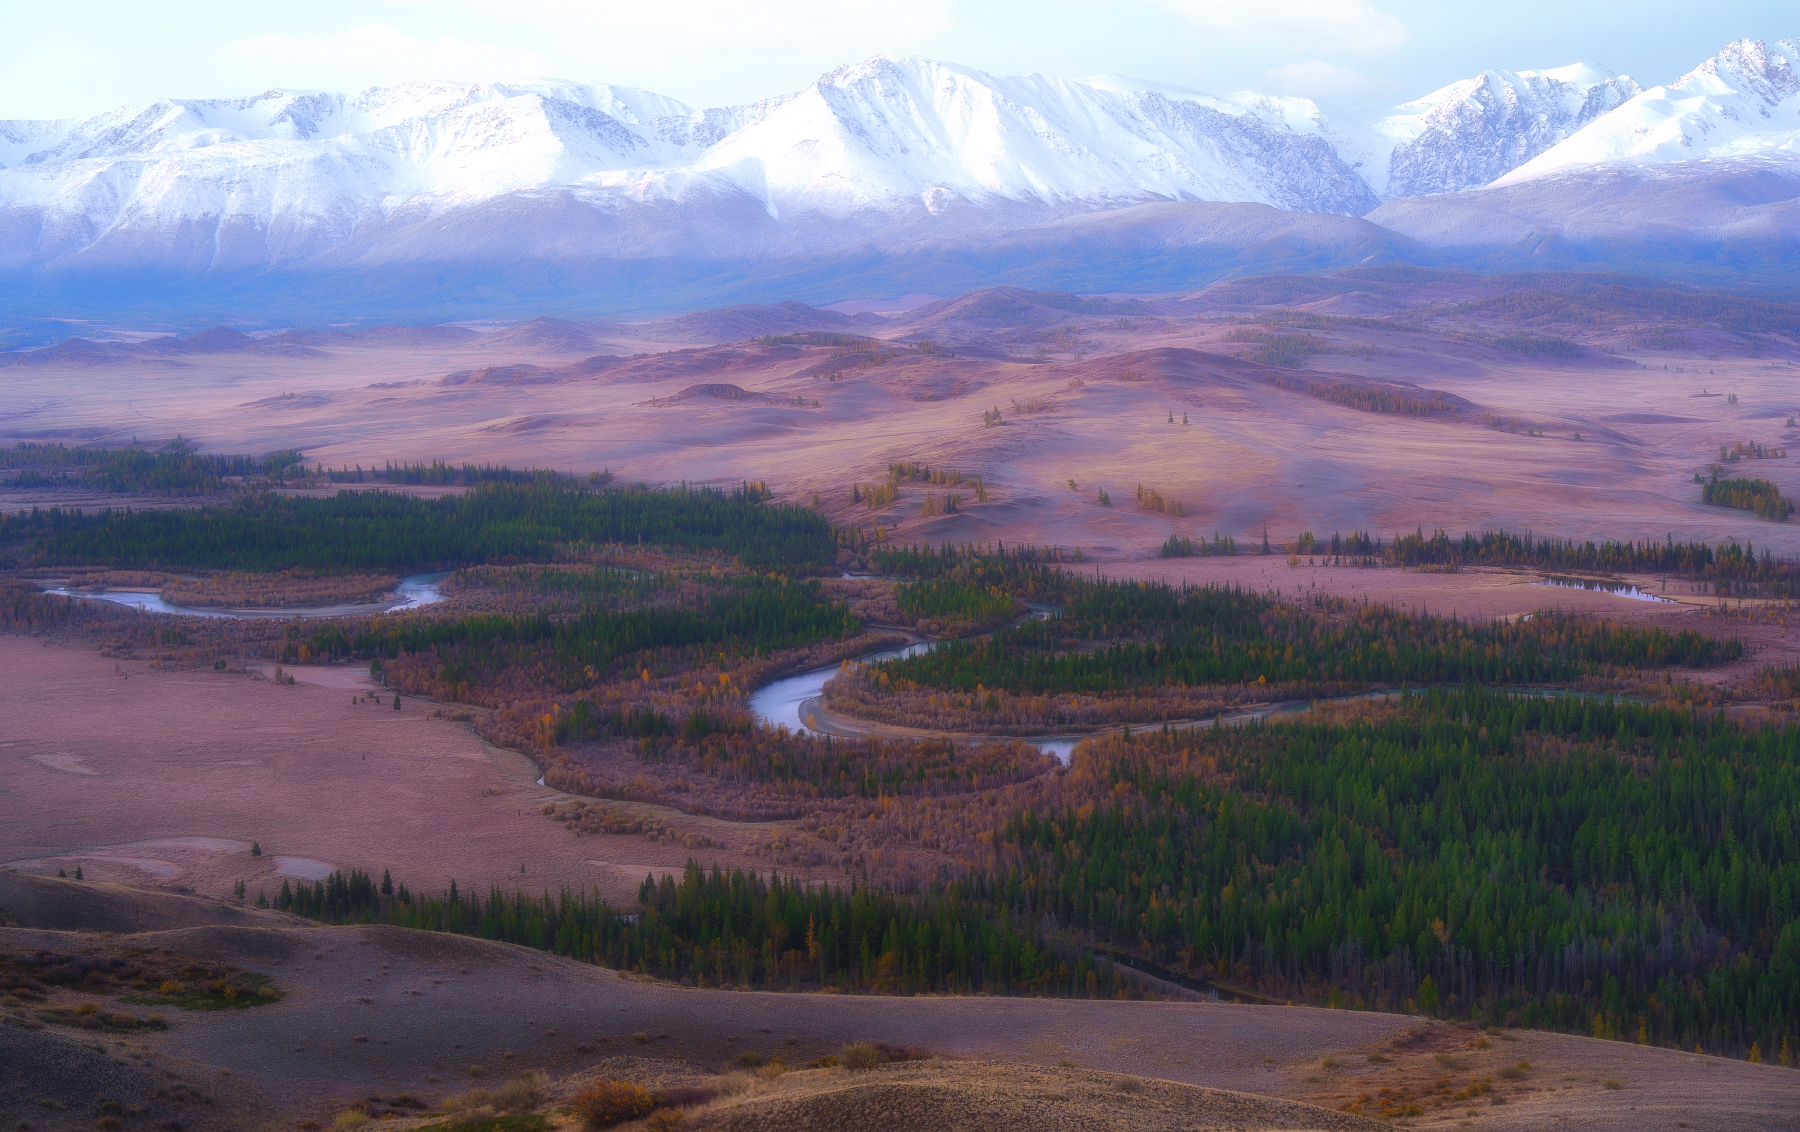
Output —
<point x="437" y="473"/>
<point x="1115" y="636"/>
<point x="1365" y="398"/>
<point x="740" y="930"/>
<point x="173" y="469"/>
<point x="1758" y="496"/>
<point x="495" y="522"/>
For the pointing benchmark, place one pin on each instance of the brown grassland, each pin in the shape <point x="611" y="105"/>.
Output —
<point x="184" y="767"/>
<point x="386" y="1019"/>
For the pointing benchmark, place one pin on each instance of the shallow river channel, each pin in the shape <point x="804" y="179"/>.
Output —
<point x="413" y="590"/>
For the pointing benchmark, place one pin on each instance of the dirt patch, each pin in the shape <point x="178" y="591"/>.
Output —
<point x="1005" y="1097"/>
<point x="66" y="905"/>
<point x="187" y="770"/>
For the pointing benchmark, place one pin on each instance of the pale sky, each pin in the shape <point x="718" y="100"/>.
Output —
<point x="75" y="58"/>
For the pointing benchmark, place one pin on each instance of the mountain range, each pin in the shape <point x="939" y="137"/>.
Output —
<point x="893" y="175"/>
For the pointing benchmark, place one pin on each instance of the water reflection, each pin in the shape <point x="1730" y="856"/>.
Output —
<point x="1600" y="585"/>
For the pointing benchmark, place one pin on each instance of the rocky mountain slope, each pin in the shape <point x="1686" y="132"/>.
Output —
<point x="1471" y="132"/>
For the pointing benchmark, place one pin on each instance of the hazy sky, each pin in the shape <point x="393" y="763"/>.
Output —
<point x="78" y="57"/>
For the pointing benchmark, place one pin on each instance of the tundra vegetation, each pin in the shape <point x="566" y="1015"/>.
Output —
<point x="1510" y="841"/>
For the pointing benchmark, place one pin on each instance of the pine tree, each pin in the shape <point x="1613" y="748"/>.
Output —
<point x="78" y="875"/>
<point x="256" y="848"/>
<point x="387" y="883"/>
<point x="396" y="701"/>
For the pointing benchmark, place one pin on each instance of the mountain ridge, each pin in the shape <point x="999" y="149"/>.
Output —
<point x="928" y="168"/>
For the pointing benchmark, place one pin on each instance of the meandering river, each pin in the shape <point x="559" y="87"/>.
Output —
<point x="413" y="590"/>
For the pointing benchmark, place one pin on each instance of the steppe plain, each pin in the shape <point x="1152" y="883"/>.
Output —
<point x="1085" y="395"/>
<point x="151" y="777"/>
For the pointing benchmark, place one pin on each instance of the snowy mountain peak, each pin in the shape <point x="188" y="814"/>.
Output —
<point x="893" y="148"/>
<point x="1750" y="67"/>
<point x="1743" y="102"/>
<point x="1465" y="135"/>
<point x="1581" y="74"/>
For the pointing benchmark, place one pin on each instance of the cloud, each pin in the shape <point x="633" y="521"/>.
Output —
<point x="1326" y="26"/>
<point x="1316" y="79"/>
<point x="379" y="52"/>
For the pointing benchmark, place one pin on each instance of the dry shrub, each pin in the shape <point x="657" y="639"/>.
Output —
<point x="736" y="1084"/>
<point x="750" y="1059"/>
<point x="606" y="1103"/>
<point x="665" y="1120"/>
<point x="861" y="1055"/>
<point x="521" y="1094"/>
<point x="350" y="1119"/>
<point x="469" y="1101"/>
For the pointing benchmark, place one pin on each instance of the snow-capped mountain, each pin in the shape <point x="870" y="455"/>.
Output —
<point x="1471" y="132"/>
<point x="1742" y="103"/>
<point x="287" y="175"/>
<point x="565" y="188"/>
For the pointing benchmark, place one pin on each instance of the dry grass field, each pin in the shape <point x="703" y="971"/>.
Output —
<point x="384" y="1011"/>
<point x="166" y="776"/>
<point x="1082" y="399"/>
